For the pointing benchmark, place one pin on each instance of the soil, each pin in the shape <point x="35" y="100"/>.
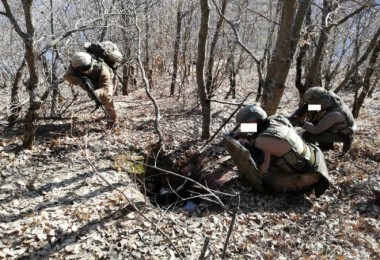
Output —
<point x="75" y="195"/>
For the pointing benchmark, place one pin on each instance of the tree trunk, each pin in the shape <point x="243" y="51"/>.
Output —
<point x="313" y="77"/>
<point x="210" y="65"/>
<point x="147" y="68"/>
<point x="287" y="39"/>
<point x="268" y="46"/>
<point x="15" y="101"/>
<point x="231" y="67"/>
<point x="187" y="62"/>
<point x="31" y="59"/>
<point x="202" y="42"/>
<point x="367" y="80"/>
<point x="304" y="46"/>
<point x="129" y="80"/>
<point x="363" y="58"/>
<point x="176" y="48"/>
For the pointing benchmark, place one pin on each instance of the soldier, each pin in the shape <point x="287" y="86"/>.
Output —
<point x="332" y="123"/>
<point x="101" y="77"/>
<point x="288" y="164"/>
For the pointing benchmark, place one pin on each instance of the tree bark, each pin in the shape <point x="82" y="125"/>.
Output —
<point x="202" y="42"/>
<point x="176" y="48"/>
<point x="31" y="60"/>
<point x="313" y="77"/>
<point x="210" y="65"/>
<point x="15" y="101"/>
<point x="288" y="36"/>
<point x="367" y="80"/>
<point x="363" y="58"/>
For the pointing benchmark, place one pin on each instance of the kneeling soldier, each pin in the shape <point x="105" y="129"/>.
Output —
<point x="288" y="163"/>
<point x="332" y="122"/>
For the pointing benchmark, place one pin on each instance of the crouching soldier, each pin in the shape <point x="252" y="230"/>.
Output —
<point x="332" y="120"/>
<point x="84" y="67"/>
<point x="288" y="164"/>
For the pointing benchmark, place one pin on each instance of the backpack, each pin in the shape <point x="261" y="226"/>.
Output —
<point x="106" y="51"/>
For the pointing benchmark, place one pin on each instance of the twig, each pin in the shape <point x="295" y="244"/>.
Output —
<point x="184" y="177"/>
<point x="228" y="103"/>
<point x="56" y="118"/>
<point x="147" y="84"/>
<point x="204" y="249"/>
<point x="132" y="205"/>
<point x="228" y="119"/>
<point x="231" y="225"/>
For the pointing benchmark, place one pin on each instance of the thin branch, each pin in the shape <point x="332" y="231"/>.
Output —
<point x="8" y="13"/>
<point x="131" y="204"/>
<point x="204" y="249"/>
<point x="228" y="119"/>
<point x="262" y="16"/>
<point x="236" y="34"/>
<point x="370" y="47"/>
<point x="231" y="225"/>
<point x="183" y="177"/>
<point x="147" y="86"/>
<point x="348" y="16"/>
<point x="228" y="103"/>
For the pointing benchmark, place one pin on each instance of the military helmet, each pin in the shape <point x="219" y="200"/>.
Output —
<point x="312" y="94"/>
<point x="249" y="113"/>
<point x="80" y="60"/>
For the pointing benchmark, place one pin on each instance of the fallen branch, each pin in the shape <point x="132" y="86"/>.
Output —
<point x="131" y="204"/>
<point x="204" y="249"/>
<point x="56" y="118"/>
<point x="228" y="119"/>
<point x="184" y="177"/>
<point x="231" y="225"/>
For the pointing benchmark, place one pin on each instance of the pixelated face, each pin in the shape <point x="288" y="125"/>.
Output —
<point x="248" y="127"/>
<point x="314" y="107"/>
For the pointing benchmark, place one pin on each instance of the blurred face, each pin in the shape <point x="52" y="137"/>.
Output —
<point x="86" y="69"/>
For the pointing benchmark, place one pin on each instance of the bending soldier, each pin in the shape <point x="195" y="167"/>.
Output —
<point x="289" y="164"/>
<point x="332" y="123"/>
<point x="101" y="77"/>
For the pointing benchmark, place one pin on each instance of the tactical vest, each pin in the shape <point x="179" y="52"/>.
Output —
<point x="96" y="71"/>
<point x="300" y="158"/>
<point x="345" y="127"/>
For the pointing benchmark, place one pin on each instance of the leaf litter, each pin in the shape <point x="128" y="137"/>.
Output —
<point x="54" y="205"/>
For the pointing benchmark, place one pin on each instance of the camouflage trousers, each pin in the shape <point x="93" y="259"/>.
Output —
<point x="317" y="178"/>
<point x="326" y="139"/>
<point x="105" y="95"/>
<point x="276" y="180"/>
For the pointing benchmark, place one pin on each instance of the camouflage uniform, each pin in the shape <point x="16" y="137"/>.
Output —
<point x="333" y="123"/>
<point x="303" y="164"/>
<point x="102" y="77"/>
<point x="302" y="167"/>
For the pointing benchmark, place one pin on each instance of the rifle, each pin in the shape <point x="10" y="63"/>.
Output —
<point x="90" y="89"/>
<point x="299" y="115"/>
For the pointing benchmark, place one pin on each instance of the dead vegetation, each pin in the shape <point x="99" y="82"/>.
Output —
<point x="76" y="196"/>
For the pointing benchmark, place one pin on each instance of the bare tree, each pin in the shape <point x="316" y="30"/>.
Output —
<point x="367" y="80"/>
<point x="31" y="59"/>
<point x="293" y="14"/>
<point x="177" y="43"/>
<point x="313" y="77"/>
<point x="16" y="86"/>
<point x="210" y="79"/>
<point x="202" y="92"/>
<point x="362" y="59"/>
<point x="140" y="64"/>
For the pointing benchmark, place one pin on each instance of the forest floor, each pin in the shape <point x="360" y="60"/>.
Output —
<point x="70" y="196"/>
